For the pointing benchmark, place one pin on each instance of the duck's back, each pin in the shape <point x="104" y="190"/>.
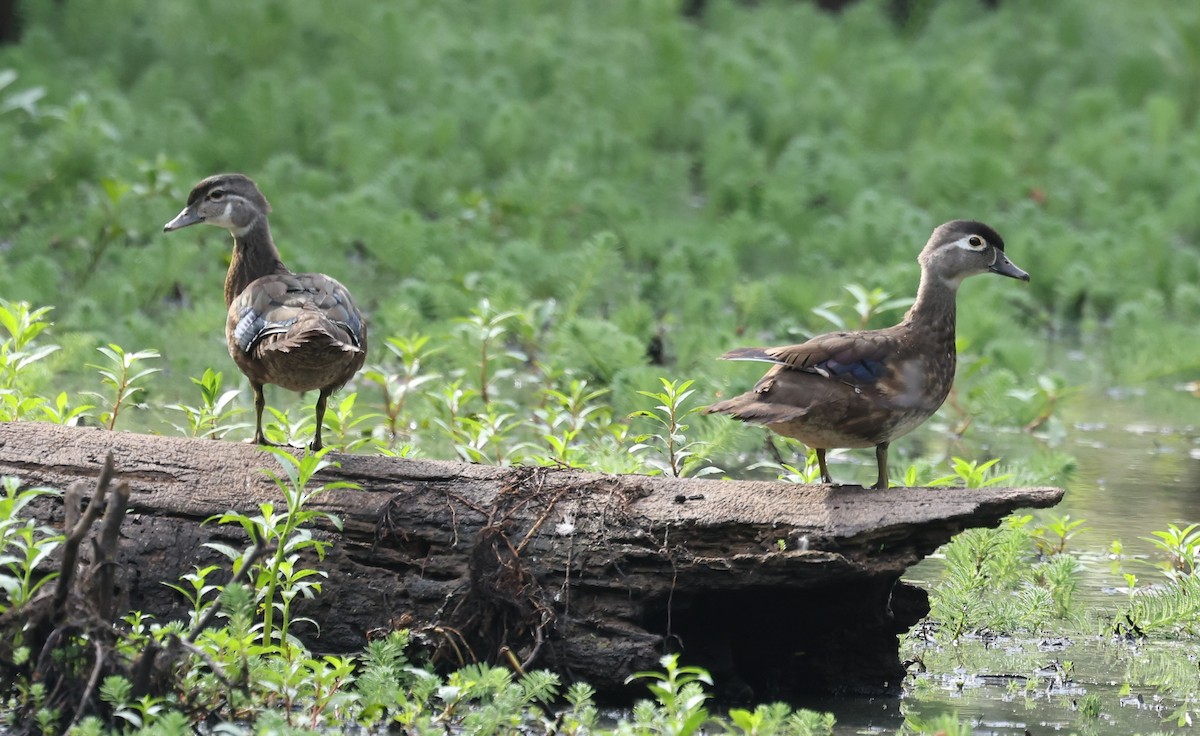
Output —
<point x="301" y="331"/>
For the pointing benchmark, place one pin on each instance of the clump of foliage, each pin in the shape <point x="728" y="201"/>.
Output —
<point x="25" y="547"/>
<point x="18" y="358"/>
<point x="996" y="579"/>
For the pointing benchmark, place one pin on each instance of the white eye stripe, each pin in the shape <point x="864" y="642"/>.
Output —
<point x="973" y="243"/>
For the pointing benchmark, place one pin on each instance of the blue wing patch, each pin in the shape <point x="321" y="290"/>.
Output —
<point x="862" y="371"/>
<point x="354" y="326"/>
<point x="252" y="327"/>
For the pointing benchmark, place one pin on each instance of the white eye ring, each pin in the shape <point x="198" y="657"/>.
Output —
<point x="973" y="243"/>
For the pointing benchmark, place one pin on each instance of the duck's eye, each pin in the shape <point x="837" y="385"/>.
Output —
<point x="216" y="195"/>
<point x="975" y="241"/>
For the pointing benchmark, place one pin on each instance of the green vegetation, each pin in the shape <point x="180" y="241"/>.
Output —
<point x="560" y="187"/>
<point x="557" y="216"/>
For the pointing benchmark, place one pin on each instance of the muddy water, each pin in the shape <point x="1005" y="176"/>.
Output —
<point x="1138" y="470"/>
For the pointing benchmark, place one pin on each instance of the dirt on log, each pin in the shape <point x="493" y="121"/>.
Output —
<point x="779" y="590"/>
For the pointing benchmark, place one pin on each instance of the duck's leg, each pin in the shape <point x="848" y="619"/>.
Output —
<point x="881" y="450"/>
<point x="825" y="478"/>
<point x="322" y="400"/>
<point x="260" y="403"/>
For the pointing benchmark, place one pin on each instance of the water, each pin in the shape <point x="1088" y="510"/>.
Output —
<point x="1138" y="470"/>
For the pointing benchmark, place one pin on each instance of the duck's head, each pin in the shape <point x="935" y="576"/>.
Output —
<point x="962" y="248"/>
<point x="229" y="201"/>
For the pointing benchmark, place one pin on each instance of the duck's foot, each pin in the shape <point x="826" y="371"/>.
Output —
<point x="262" y="442"/>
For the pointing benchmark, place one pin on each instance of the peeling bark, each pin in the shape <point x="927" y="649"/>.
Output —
<point x="779" y="590"/>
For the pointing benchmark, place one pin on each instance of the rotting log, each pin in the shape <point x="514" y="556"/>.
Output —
<point x="779" y="590"/>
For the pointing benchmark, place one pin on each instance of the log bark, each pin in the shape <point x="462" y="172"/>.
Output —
<point x="779" y="590"/>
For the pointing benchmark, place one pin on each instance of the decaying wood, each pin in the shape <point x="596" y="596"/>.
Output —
<point x="778" y="589"/>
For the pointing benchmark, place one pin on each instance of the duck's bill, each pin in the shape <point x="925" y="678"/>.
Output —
<point x="183" y="219"/>
<point x="1005" y="267"/>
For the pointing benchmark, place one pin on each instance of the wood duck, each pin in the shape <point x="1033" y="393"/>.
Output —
<point x="300" y="331"/>
<point x="866" y="388"/>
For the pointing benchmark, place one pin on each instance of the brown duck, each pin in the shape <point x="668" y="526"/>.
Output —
<point x="866" y="388"/>
<point x="300" y="331"/>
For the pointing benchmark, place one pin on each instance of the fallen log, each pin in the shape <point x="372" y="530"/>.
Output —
<point x="779" y="590"/>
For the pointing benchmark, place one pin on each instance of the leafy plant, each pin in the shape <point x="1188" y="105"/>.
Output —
<point x="992" y="581"/>
<point x="280" y="578"/>
<point x="476" y="437"/>
<point x="211" y="418"/>
<point x="122" y="374"/>
<point x="1045" y="398"/>
<point x="679" y="698"/>
<point x="676" y="455"/>
<point x="139" y="713"/>
<point x="945" y="724"/>
<point x="284" y="426"/>
<point x="61" y="411"/>
<point x="351" y="431"/>
<point x="1164" y="609"/>
<point x="24" y="545"/>
<point x="17" y="355"/>
<point x="810" y="473"/>
<point x="23" y="324"/>
<point x="1181" y="546"/>
<point x="567" y="415"/>
<point x="971" y="474"/>
<point x="864" y="305"/>
<point x="779" y="718"/>
<point x="398" y="386"/>
<point x="1052" y="537"/>
<point x="25" y="100"/>
<point x="199" y="593"/>
<point x="487" y="327"/>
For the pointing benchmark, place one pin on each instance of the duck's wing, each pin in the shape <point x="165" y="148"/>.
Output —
<point x="295" y="309"/>
<point x="855" y="358"/>
<point x="813" y="381"/>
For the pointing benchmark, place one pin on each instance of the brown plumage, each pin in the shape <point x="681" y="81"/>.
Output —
<point x="866" y="388"/>
<point x="300" y="331"/>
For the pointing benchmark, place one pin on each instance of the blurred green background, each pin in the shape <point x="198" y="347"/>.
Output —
<point x="624" y="175"/>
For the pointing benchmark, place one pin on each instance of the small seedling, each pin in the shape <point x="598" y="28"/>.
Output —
<point x="209" y="419"/>
<point x="1052" y="537"/>
<point x="668" y="449"/>
<point x="121" y="374"/>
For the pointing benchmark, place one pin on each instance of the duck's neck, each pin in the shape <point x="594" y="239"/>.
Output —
<point x="254" y="256"/>
<point x="934" y="308"/>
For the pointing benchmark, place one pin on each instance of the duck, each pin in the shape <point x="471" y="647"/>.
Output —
<point x="300" y="331"/>
<point x="867" y="388"/>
